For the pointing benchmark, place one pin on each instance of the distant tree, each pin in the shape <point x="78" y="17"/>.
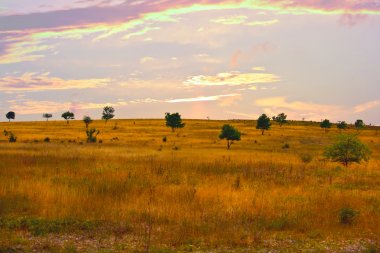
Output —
<point x="92" y="134"/>
<point x="68" y="116"/>
<point x="263" y="123"/>
<point x="325" y="124"/>
<point x="87" y="120"/>
<point x="47" y="116"/>
<point x="230" y="134"/>
<point x="281" y="119"/>
<point x="174" y="121"/>
<point x="10" y="135"/>
<point x="108" y="113"/>
<point x="359" y="124"/>
<point x="347" y="149"/>
<point x="342" y="125"/>
<point x="10" y="115"/>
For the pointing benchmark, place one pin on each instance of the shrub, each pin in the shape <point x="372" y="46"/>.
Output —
<point x="286" y="146"/>
<point x="164" y="139"/>
<point x="47" y="139"/>
<point x="306" y="158"/>
<point x="10" y="135"/>
<point x="91" y="135"/>
<point x="347" y="215"/>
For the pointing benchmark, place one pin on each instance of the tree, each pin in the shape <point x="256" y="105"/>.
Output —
<point x="325" y="124"/>
<point x="108" y="113"/>
<point x="342" y="125"/>
<point x="263" y="123"/>
<point x="230" y="134"/>
<point x="347" y="149"/>
<point x="359" y="124"/>
<point x="87" y="120"/>
<point x="10" y="115"/>
<point x="47" y="116"/>
<point x="281" y="119"/>
<point x="10" y="135"/>
<point x="92" y="134"/>
<point x="174" y="121"/>
<point x="68" y="116"/>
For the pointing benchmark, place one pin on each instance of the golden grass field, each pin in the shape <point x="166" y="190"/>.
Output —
<point x="137" y="193"/>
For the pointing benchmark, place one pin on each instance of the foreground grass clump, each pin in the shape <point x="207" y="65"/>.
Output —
<point x="135" y="189"/>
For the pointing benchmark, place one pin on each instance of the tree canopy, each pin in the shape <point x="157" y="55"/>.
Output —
<point x="359" y="124"/>
<point x="325" y="124"/>
<point x="87" y="120"/>
<point x="281" y="119"/>
<point x="68" y="116"/>
<point x="108" y="113"/>
<point x="263" y="123"/>
<point x="230" y="134"/>
<point x="342" y="125"/>
<point x="347" y="149"/>
<point x="174" y="121"/>
<point x="10" y="115"/>
<point x="47" y="116"/>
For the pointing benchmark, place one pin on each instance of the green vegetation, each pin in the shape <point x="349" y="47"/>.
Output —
<point x="68" y="116"/>
<point x="230" y="134"/>
<point x="263" y="123"/>
<point x="174" y="121"/>
<point x="325" y="124"/>
<point x="108" y="113"/>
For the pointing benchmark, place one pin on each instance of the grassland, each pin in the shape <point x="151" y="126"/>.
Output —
<point x="133" y="192"/>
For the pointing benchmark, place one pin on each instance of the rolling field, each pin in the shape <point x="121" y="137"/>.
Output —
<point x="133" y="192"/>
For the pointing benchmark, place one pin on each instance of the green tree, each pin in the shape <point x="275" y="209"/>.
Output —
<point x="359" y="124"/>
<point x="87" y="120"/>
<point x="263" y="123"/>
<point x="47" y="116"/>
<point x="347" y="149"/>
<point x="174" y="121"/>
<point x="10" y="115"/>
<point x="92" y="134"/>
<point x="325" y="124"/>
<point x="68" y="116"/>
<point x="108" y="113"/>
<point x="342" y="125"/>
<point x="230" y="134"/>
<point x="281" y="119"/>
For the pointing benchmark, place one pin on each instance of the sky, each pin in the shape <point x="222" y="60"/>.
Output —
<point x="222" y="59"/>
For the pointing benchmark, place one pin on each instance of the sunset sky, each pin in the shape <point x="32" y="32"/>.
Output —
<point x="312" y="59"/>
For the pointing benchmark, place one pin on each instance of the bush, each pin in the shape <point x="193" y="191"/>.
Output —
<point x="10" y="135"/>
<point x="164" y="139"/>
<point x="91" y="135"/>
<point x="306" y="158"/>
<point x="47" y="139"/>
<point x="347" y="215"/>
<point x="286" y="146"/>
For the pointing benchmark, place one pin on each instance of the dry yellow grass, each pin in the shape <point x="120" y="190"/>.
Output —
<point x="190" y="189"/>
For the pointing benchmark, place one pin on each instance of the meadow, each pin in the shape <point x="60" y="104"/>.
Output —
<point x="135" y="192"/>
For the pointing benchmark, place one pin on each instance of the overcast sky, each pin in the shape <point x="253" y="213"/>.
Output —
<point x="312" y="59"/>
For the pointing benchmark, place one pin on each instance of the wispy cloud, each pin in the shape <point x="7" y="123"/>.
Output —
<point x="366" y="106"/>
<point x="243" y="20"/>
<point x="38" y="82"/>
<point x="202" y="98"/>
<point x="234" y="78"/>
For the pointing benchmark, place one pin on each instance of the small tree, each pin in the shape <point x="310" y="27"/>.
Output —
<point x="342" y="125"/>
<point x="92" y="134"/>
<point x="47" y="116"/>
<point x="230" y="134"/>
<point x="263" y="123"/>
<point x="174" y="121"/>
<point x="10" y="135"/>
<point x="10" y="115"/>
<point x="325" y="124"/>
<point x="347" y="149"/>
<point x="281" y="119"/>
<point x="108" y="113"/>
<point x="68" y="116"/>
<point x="359" y="124"/>
<point x="87" y="120"/>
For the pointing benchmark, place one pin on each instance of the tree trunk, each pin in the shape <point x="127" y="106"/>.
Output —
<point x="172" y="129"/>
<point x="228" y="144"/>
<point x="262" y="132"/>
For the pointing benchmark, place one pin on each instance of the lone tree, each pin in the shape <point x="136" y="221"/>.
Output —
<point x="263" y="123"/>
<point x="359" y="124"/>
<point x="91" y="135"/>
<point x="108" y="113"/>
<point x="342" y="125"/>
<point x="87" y="120"/>
<point x="347" y="149"/>
<point x="325" y="124"/>
<point x="281" y="119"/>
<point x="230" y="134"/>
<point x="174" y="121"/>
<point x="47" y="116"/>
<point x="68" y="116"/>
<point x="10" y="115"/>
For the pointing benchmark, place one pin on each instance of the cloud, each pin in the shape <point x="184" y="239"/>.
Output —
<point x="366" y="106"/>
<point x="202" y="98"/>
<point x="234" y="78"/>
<point x="263" y="23"/>
<point x="38" y="82"/>
<point x="232" y="20"/>
<point x="300" y="109"/>
<point x="351" y="20"/>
